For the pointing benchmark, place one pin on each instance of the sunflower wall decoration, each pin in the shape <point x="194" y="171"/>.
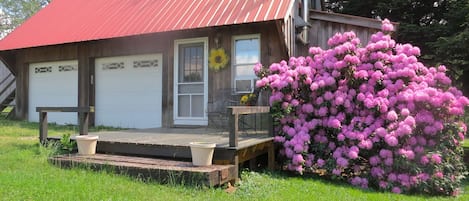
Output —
<point x="218" y="59"/>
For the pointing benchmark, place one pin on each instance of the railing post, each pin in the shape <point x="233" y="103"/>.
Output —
<point x="271" y="124"/>
<point x="271" y="148"/>
<point x="271" y="157"/>
<point x="84" y="119"/>
<point x="233" y="124"/>
<point x="43" y="127"/>
<point x="83" y="115"/>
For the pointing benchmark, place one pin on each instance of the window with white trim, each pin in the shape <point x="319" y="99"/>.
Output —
<point x="246" y="54"/>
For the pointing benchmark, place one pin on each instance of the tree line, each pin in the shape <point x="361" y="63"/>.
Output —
<point x="439" y="27"/>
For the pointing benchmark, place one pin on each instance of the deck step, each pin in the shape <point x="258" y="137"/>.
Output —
<point x="160" y="170"/>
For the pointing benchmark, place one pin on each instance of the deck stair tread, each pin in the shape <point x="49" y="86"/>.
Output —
<point x="159" y="169"/>
<point x="131" y="161"/>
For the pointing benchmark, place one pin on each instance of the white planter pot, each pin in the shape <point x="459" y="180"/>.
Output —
<point x="202" y="153"/>
<point x="86" y="144"/>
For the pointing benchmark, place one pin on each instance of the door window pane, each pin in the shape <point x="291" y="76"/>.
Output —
<point x="197" y="102"/>
<point x="190" y="88"/>
<point x="191" y="63"/>
<point x="184" y="105"/>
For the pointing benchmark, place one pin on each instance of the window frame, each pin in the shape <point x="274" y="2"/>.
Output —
<point x="234" y="65"/>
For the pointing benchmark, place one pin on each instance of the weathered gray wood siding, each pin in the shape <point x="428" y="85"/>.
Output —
<point x="272" y="50"/>
<point x="324" y="25"/>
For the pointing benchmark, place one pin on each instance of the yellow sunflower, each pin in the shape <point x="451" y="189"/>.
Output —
<point x="218" y="59"/>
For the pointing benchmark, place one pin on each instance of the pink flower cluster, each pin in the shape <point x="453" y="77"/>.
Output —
<point x="374" y="115"/>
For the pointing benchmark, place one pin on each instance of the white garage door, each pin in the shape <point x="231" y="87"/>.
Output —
<point x="129" y="91"/>
<point x="53" y="84"/>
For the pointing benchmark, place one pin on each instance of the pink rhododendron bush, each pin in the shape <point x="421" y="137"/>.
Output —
<point x="374" y="116"/>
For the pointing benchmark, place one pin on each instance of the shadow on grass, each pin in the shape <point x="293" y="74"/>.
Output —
<point x="36" y="149"/>
<point x="307" y="177"/>
<point x="26" y="146"/>
<point x="340" y="183"/>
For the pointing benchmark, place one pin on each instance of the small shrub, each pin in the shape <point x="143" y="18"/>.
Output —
<point x="64" y="146"/>
<point x="371" y="115"/>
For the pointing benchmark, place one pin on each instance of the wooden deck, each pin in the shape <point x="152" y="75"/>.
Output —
<point x="173" y="144"/>
<point x="165" y="171"/>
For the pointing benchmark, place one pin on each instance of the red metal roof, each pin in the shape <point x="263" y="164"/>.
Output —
<point x="66" y="21"/>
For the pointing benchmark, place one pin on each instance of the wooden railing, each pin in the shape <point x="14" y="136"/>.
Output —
<point x="236" y="111"/>
<point x="7" y="87"/>
<point x="5" y="79"/>
<point x="83" y="113"/>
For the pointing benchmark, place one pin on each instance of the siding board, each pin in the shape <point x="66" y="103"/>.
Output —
<point x="324" y="25"/>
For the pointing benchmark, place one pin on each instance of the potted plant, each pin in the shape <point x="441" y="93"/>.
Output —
<point x="86" y="144"/>
<point x="247" y="99"/>
<point x="202" y="153"/>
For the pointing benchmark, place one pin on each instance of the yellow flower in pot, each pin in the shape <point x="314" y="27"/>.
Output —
<point x="248" y="99"/>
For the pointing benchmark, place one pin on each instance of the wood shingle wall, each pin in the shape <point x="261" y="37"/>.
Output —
<point x="161" y="43"/>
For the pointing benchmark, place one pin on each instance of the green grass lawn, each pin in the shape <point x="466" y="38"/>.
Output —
<point x="25" y="174"/>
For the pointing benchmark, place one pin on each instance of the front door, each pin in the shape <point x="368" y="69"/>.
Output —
<point x="190" y="81"/>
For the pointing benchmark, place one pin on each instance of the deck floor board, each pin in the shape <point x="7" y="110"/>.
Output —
<point x="178" y="137"/>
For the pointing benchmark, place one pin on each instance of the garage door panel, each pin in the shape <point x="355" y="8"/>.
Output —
<point x="129" y="96"/>
<point x="53" y="84"/>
